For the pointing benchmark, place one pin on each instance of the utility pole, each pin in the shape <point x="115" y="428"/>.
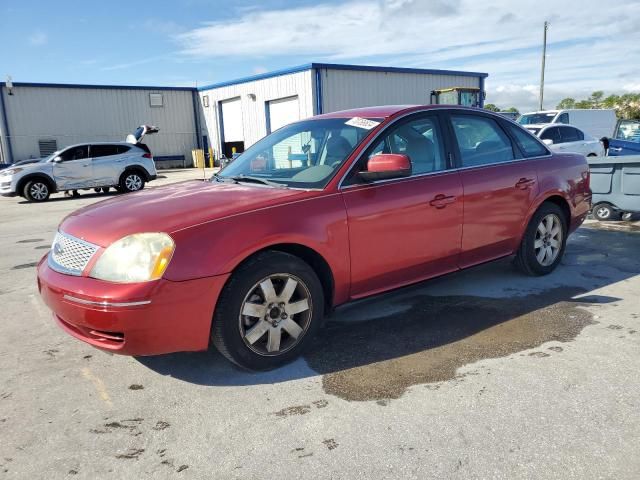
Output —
<point x="544" y="57"/>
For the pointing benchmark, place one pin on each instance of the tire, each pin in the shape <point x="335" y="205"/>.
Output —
<point x="131" y="181"/>
<point x="248" y="340"/>
<point x="538" y="254"/>
<point x="604" y="212"/>
<point x="37" y="190"/>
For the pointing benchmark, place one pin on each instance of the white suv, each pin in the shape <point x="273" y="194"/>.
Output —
<point x="123" y="165"/>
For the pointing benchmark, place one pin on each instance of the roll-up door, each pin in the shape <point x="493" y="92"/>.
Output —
<point x="283" y="112"/>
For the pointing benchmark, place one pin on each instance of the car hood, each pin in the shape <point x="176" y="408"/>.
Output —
<point x="172" y="208"/>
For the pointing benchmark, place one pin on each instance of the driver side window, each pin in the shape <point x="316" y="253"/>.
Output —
<point x="75" y="153"/>
<point x="419" y="139"/>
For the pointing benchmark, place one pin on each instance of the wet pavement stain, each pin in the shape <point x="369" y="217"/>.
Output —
<point x="381" y="358"/>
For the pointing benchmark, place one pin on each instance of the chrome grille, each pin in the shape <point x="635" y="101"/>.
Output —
<point x="69" y="254"/>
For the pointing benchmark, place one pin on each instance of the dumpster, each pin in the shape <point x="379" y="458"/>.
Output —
<point x="615" y="184"/>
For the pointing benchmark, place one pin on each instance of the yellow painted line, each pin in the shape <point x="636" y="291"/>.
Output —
<point x="99" y="385"/>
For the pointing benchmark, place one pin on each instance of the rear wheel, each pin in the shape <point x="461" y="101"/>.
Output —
<point x="131" y="181"/>
<point x="36" y="191"/>
<point x="268" y="312"/>
<point x="544" y="241"/>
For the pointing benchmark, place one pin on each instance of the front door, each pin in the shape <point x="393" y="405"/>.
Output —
<point x="498" y="187"/>
<point x="408" y="229"/>
<point x="74" y="169"/>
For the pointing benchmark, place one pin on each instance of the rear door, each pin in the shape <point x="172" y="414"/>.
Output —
<point x="572" y="141"/>
<point x="406" y="229"/>
<point x="107" y="163"/>
<point x="499" y="187"/>
<point x="74" y="170"/>
<point x="627" y="139"/>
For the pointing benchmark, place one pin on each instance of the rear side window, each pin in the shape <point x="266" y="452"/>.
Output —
<point x="529" y="145"/>
<point x="564" y="118"/>
<point x="481" y="140"/>
<point x="552" y="134"/>
<point x="123" y="148"/>
<point x="570" y="134"/>
<point x="103" y="150"/>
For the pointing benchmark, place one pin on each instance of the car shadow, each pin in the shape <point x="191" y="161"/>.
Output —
<point x="425" y="333"/>
<point x="83" y="195"/>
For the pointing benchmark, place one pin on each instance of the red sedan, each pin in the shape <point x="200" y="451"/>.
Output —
<point x="323" y="211"/>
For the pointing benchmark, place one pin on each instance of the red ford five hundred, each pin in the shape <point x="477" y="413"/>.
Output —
<point x="321" y="212"/>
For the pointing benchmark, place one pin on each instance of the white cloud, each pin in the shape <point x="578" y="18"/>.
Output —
<point x="589" y="46"/>
<point x="38" y="39"/>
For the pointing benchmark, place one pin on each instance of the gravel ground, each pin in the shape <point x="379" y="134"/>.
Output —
<point x="479" y="374"/>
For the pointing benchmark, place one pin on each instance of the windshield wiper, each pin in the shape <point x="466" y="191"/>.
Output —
<point x="248" y="178"/>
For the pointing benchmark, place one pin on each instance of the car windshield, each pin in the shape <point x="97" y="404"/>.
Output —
<point x="303" y="155"/>
<point x="531" y="118"/>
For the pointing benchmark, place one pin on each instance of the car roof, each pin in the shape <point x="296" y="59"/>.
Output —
<point x="386" y="111"/>
<point x="98" y="143"/>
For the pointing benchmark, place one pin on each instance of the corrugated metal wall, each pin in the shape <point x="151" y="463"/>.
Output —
<point x="253" y="111"/>
<point x="344" y="89"/>
<point x="78" y="115"/>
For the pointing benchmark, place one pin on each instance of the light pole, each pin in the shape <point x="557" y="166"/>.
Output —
<point x="544" y="57"/>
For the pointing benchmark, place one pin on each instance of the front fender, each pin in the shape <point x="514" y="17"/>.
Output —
<point x="219" y="246"/>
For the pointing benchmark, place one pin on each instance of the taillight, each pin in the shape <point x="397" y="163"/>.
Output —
<point x="147" y="155"/>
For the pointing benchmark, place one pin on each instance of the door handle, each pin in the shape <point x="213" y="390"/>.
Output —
<point x="615" y="149"/>
<point x="441" y="201"/>
<point x="525" y="183"/>
<point x="85" y="166"/>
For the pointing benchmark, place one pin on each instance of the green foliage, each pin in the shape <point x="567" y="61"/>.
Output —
<point x="513" y="110"/>
<point x="627" y="106"/>
<point x="491" y="107"/>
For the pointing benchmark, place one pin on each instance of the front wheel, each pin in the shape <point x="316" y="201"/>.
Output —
<point x="36" y="191"/>
<point x="131" y="181"/>
<point x="268" y="312"/>
<point x="544" y="241"/>
<point x="604" y="212"/>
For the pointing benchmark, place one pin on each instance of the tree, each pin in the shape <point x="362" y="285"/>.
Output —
<point x="566" y="103"/>
<point x="596" y="98"/>
<point x="491" y="107"/>
<point x="513" y="110"/>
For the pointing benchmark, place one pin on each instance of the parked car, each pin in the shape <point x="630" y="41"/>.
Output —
<point x="596" y="122"/>
<point x="626" y="140"/>
<point x="321" y="212"/>
<point x="567" y="138"/>
<point x="510" y="115"/>
<point x="124" y="165"/>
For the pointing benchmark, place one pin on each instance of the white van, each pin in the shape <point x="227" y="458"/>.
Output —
<point x="597" y="123"/>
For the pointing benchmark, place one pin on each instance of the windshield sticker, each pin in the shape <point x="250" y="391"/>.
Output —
<point x="362" y="123"/>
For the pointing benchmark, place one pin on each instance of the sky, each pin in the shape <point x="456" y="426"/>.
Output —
<point x="591" y="46"/>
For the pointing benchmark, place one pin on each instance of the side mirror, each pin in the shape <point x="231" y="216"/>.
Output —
<point x="57" y="159"/>
<point x="547" y="141"/>
<point x="386" y="166"/>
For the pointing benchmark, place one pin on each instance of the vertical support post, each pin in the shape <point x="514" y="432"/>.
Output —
<point x="544" y="58"/>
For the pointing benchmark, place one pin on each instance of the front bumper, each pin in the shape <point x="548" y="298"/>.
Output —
<point x="7" y="187"/>
<point x="132" y="319"/>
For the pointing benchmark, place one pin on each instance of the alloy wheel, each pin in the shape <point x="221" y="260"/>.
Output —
<point x="133" y="182"/>
<point x="39" y="191"/>
<point x="275" y="314"/>
<point x="548" y="242"/>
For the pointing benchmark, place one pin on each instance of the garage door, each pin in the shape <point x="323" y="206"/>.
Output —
<point x="283" y="112"/>
<point x="232" y="120"/>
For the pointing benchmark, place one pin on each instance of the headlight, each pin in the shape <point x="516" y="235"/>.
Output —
<point x="141" y="257"/>
<point x="11" y="171"/>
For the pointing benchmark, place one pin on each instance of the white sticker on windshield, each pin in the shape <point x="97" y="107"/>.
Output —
<point x="362" y="123"/>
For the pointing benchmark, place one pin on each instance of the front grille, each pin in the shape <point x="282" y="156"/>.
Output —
<point x="69" y="254"/>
